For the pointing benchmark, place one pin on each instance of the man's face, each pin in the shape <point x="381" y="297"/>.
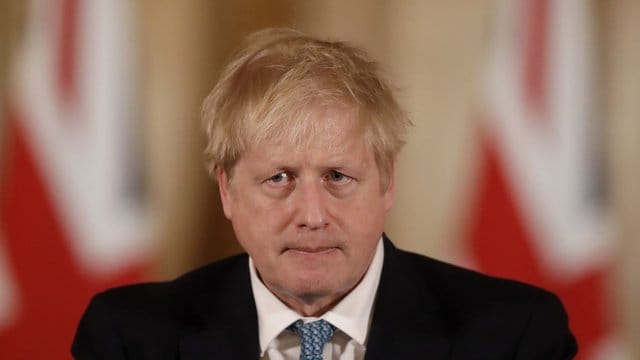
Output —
<point x="310" y="216"/>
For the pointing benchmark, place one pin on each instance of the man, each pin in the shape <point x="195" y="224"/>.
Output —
<point x="303" y="136"/>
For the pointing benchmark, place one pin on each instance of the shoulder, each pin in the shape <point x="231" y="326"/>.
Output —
<point x="477" y="309"/>
<point x="154" y="312"/>
<point x="461" y="286"/>
<point x="167" y="293"/>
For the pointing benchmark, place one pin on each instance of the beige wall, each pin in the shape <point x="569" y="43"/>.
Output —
<point x="622" y="49"/>
<point x="434" y="51"/>
<point x="10" y="21"/>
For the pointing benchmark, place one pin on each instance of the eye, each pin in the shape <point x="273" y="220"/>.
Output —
<point x="337" y="177"/>
<point x="280" y="178"/>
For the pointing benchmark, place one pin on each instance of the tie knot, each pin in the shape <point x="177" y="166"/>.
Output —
<point x="313" y="336"/>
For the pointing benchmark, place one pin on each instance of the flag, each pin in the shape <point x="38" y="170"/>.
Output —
<point x="539" y="213"/>
<point x="73" y="215"/>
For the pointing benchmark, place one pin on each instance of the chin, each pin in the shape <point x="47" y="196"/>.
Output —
<point x="315" y="289"/>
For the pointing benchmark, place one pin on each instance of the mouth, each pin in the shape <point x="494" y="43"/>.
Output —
<point x="320" y="250"/>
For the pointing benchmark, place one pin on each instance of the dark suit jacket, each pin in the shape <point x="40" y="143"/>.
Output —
<point x="424" y="309"/>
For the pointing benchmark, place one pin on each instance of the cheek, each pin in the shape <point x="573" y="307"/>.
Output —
<point x="362" y="215"/>
<point x="261" y="216"/>
<point x="372" y="204"/>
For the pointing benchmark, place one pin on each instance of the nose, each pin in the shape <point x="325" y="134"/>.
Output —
<point x="311" y="206"/>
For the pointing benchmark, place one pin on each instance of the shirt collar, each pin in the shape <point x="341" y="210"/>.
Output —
<point x="351" y="315"/>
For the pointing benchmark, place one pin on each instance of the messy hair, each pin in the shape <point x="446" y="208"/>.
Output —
<point x="277" y="77"/>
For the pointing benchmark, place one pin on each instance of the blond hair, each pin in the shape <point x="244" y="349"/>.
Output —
<point x="270" y="85"/>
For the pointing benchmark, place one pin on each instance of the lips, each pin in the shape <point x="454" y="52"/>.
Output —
<point x="312" y="250"/>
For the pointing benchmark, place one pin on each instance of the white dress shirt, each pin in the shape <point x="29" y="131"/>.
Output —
<point x="351" y="317"/>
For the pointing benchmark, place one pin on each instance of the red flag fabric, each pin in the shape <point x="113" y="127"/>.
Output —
<point x="73" y="219"/>
<point x="539" y="212"/>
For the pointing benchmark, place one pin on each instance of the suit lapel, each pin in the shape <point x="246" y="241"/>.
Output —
<point x="227" y="324"/>
<point x="406" y="319"/>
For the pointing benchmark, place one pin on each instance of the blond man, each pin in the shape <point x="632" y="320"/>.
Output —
<point x="303" y="137"/>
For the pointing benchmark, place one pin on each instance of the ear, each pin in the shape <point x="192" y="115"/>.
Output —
<point x="390" y="191"/>
<point x="225" y="191"/>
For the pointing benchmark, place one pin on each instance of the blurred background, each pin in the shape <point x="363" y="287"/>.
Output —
<point x="523" y="161"/>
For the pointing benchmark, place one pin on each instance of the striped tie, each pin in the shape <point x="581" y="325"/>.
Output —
<point x="313" y="336"/>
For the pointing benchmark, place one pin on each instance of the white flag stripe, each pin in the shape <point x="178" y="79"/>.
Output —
<point x="80" y="148"/>
<point x="546" y="158"/>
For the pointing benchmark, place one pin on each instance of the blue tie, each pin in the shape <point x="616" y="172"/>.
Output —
<point x="313" y="336"/>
